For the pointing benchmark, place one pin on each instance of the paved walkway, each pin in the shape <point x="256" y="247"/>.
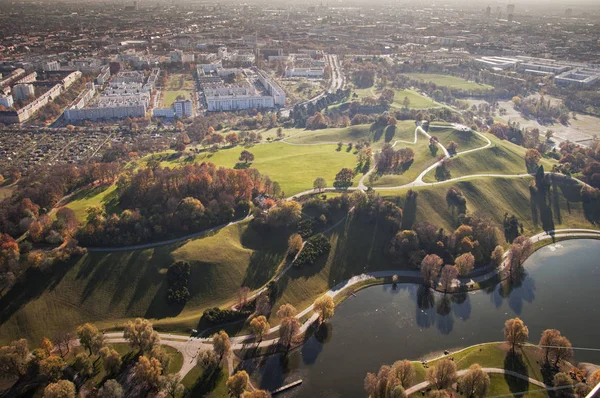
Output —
<point x="189" y="346"/>
<point x="425" y="384"/>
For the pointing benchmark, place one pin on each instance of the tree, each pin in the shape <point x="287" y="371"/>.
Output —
<point x="286" y="310"/>
<point x="404" y="372"/>
<point x="111" y="389"/>
<point x="221" y="344"/>
<point x="14" y="358"/>
<point x="61" y="389"/>
<point x="406" y="102"/>
<point x="141" y="335"/>
<point x="319" y="184"/>
<point x="83" y="364"/>
<point x="325" y="307"/>
<point x="465" y="263"/>
<point x="163" y="357"/>
<point x="172" y="385"/>
<point x="47" y="346"/>
<point x="595" y="377"/>
<point x="438" y="394"/>
<point x="260" y="326"/>
<point x="452" y="147"/>
<point x="515" y="332"/>
<point x="563" y="380"/>
<point x="207" y="360"/>
<point x="90" y="337"/>
<point x="343" y="179"/>
<point x="532" y="158"/>
<point x="475" y="383"/>
<point x="563" y="349"/>
<point x="294" y="244"/>
<point x="246" y="156"/>
<point x="148" y="370"/>
<point x="232" y="139"/>
<point x="443" y="375"/>
<point x="236" y="384"/>
<point x="497" y="256"/>
<point x="257" y="394"/>
<point x="430" y="268"/>
<point x="279" y="132"/>
<point x="63" y="342"/>
<point x="288" y="328"/>
<point x="243" y="296"/>
<point x="111" y="360"/>
<point x="52" y="367"/>
<point x="449" y="273"/>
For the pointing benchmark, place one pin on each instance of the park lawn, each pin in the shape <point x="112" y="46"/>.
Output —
<point x="492" y="197"/>
<point x="405" y="130"/>
<point x="109" y="288"/>
<point x="465" y="139"/>
<point x="502" y="157"/>
<point x="495" y="355"/>
<point x="210" y="386"/>
<point x="169" y="96"/>
<point x="423" y="159"/>
<point x="448" y="81"/>
<point x="417" y="101"/>
<point x="103" y="196"/>
<point x="294" y="167"/>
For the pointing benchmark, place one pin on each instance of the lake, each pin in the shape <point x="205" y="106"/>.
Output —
<point x="382" y="324"/>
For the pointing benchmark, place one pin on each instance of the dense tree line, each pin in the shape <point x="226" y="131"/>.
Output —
<point x="162" y="202"/>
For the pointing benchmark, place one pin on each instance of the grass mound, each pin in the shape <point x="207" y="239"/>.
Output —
<point x="502" y="157"/>
<point x="405" y="131"/>
<point x="108" y="288"/>
<point x="465" y="139"/>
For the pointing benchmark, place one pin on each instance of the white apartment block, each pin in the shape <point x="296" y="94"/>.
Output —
<point x="51" y="66"/>
<point x="23" y="91"/>
<point x="6" y="101"/>
<point x="183" y="108"/>
<point x="313" y="73"/>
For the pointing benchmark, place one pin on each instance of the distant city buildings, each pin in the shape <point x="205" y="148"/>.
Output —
<point x="128" y="95"/>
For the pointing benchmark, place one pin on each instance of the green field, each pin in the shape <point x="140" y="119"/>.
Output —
<point x="405" y="130"/>
<point x="294" y="167"/>
<point x="502" y="157"/>
<point x="108" y="288"/>
<point x="447" y="81"/>
<point x="417" y="101"/>
<point x="209" y="385"/>
<point x="423" y="159"/>
<point x="177" y="85"/>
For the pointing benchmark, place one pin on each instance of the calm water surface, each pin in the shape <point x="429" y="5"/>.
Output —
<point x="381" y="324"/>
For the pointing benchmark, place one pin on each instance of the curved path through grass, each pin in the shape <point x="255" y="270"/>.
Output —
<point x="190" y="346"/>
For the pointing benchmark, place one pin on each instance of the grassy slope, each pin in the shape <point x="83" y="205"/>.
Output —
<point x="423" y="159"/>
<point x="109" y="287"/>
<point x="447" y="81"/>
<point x="294" y="167"/>
<point x="99" y="196"/>
<point x="417" y="101"/>
<point x="465" y="139"/>
<point x="494" y="355"/>
<point x="502" y="157"/>
<point x="404" y="131"/>
<point x="493" y="197"/>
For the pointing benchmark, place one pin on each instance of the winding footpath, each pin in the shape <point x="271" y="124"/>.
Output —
<point x="190" y="346"/>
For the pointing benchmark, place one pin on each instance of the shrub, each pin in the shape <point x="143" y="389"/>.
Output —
<point x="178" y="276"/>
<point x="214" y="316"/>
